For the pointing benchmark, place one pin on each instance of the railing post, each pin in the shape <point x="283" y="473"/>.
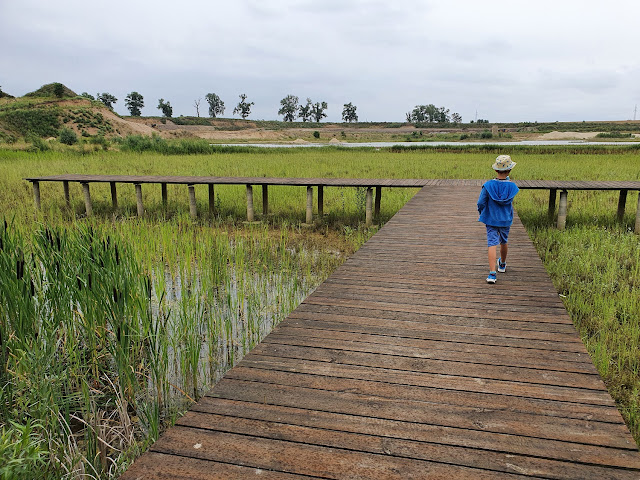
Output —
<point x="562" y="210"/>
<point x="320" y="201"/>
<point x="212" y="200"/>
<point x="309" y="217"/>
<point x="265" y="200"/>
<point x="114" y="195"/>
<point x="87" y="199"/>
<point x="193" y="209"/>
<point x="368" y="204"/>
<point x="36" y="194"/>
<point x="376" y="211"/>
<point x="67" y="196"/>
<point x="553" y="193"/>
<point x="163" y="187"/>
<point x="622" y="202"/>
<point x="249" y="203"/>
<point x="637" y="227"/>
<point x="139" y="199"/>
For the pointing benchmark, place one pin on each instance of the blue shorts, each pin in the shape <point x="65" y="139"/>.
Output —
<point x="497" y="235"/>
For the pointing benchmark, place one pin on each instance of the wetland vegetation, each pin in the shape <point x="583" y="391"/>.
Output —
<point x="113" y="325"/>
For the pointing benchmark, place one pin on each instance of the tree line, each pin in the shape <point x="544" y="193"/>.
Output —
<point x="290" y="109"/>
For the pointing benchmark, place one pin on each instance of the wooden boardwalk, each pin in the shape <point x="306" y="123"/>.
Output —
<point x="320" y="183"/>
<point x="405" y="364"/>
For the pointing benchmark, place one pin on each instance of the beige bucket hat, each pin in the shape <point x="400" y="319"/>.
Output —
<point x="503" y="163"/>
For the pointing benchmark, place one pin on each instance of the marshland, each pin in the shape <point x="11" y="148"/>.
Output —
<point x="113" y="325"/>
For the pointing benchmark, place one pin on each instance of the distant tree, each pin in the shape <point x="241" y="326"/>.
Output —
<point x="134" y="102"/>
<point x="289" y="108"/>
<point x="216" y="105"/>
<point x="304" y="111"/>
<point x="243" y="108"/>
<point x="317" y="111"/>
<point x="349" y="113"/>
<point x="196" y="103"/>
<point x="58" y="90"/>
<point x="87" y="95"/>
<point x="107" y="99"/>
<point x="456" y="118"/>
<point x="443" y="115"/>
<point x="165" y="108"/>
<point x="428" y="114"/>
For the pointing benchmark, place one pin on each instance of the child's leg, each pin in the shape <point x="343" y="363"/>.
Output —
<point x="503" y="252"/>
<point x="504" y="248"/>
<point x="492" y="258"/>
<point x="493" y="240"/>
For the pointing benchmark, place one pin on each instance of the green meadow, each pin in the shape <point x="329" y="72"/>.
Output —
<point x="113" y="325"/>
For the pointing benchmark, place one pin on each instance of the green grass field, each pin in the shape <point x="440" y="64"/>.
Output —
<point x="594" y="263"/>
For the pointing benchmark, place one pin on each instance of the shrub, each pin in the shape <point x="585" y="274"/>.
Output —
<point x="38" y="145"/>
<point x="614" y="135"/>
<point x="139" y="143"/>
<point x="41" y="122"/>
<point x="486" y="134"/>
<point x="67" y="136"/>
<point x="316" y="134"/>
<point x="191" y="121"/>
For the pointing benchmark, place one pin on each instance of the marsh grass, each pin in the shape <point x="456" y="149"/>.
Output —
<point x="101" y="350"/>
<point x="595" y="266"/>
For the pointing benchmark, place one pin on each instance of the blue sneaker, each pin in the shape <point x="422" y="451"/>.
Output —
<point x="492" y="277"/>
<point x="502" y="267"/>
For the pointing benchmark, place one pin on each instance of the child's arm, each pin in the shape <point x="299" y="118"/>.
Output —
<point x="482" y="200"/>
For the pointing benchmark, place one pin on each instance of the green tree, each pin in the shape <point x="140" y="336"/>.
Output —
<point x="304" y="111"/>
<point x="428" y="114"/>
<point x="216" y="105"/>
<point x="349" y="113"/>
<point x="58" y="90"/>
<point x="289" y="108"/>
<point x="165" y="108"/>
<point x="243" y="108"/>
<point x="107" y="99"/>
<point x="317" y="111"/>
<point x="456" y="118"/>
<point x="87" y="95"/>
<point x="134" y="102"/>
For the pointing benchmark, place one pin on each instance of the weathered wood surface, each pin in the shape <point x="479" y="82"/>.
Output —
<point x="336" y="182"/>
<point x="405" y="364"/>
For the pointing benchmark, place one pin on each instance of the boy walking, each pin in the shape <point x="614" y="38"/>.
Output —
<point x="495" y="205"/>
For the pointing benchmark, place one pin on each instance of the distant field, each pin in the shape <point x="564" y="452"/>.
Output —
<point x="26" y="121"/>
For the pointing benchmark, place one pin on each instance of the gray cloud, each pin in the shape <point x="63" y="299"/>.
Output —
<point x="569" y="60"/>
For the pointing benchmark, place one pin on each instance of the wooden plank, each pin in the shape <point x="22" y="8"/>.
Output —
<point x="392" y="447"/>
<point x="345" y="182"/>
<point x="423" y="433"/>
<point x="393" y="384"/>
<point x="306" y="459"/>
<point x="469" y="418"/>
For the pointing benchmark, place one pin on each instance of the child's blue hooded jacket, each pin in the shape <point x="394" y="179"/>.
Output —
<point x="495" y="203"/>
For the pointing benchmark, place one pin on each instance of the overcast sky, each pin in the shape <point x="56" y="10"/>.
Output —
<point x="564" y="60"/>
